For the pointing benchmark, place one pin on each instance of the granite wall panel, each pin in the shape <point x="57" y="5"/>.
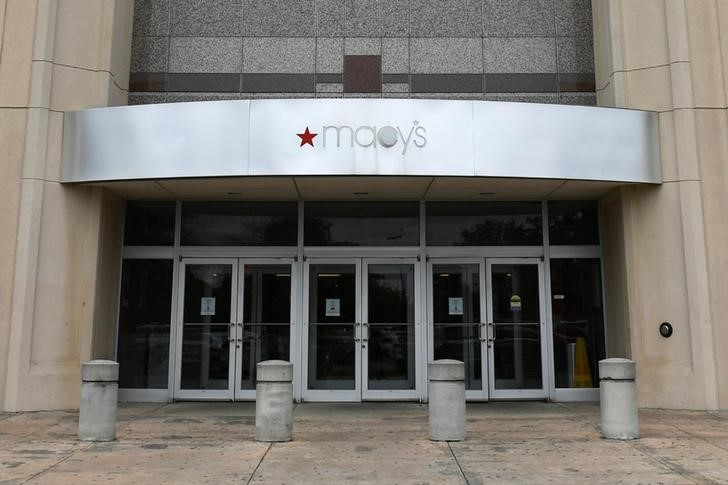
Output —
<point x="524" y="50"/>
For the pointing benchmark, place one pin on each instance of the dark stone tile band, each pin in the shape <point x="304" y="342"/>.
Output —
<point x="447" y="83"/>
<point x="521" y="83"/>
<point x="396" y="78"/>
<point x="203" y="83"/>
<point x="141" y="82"/>
<point x="279" y="83"/>
<point x="329" y="78"/>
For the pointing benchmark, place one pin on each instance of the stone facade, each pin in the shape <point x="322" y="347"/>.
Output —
<point x="511" y="50"/>
<point x="665" y="253"/>
<point x="55" y="301"/>
<point x="664" y="247"/>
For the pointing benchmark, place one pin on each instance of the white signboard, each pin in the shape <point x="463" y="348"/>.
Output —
<point x="455" y="306"/>
<point x="207" y="305"/>
<point x="333" y="307"/>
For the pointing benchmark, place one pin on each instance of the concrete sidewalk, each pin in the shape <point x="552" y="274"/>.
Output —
<point x="364" y="443"/>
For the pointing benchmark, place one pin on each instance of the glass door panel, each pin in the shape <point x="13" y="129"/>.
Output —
<point x="388" y="334"/>
<point x="516" y="316"/>
<point x="266" y="319"/>
<point x="333" y="331"/>
<point x="457" y="327"/>
<point x="208" y="328"/>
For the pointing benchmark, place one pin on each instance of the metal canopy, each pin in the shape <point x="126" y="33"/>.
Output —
<point x="362" y="137"/>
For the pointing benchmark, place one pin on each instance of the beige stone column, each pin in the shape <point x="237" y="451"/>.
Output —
<point x="665" y="246"/>
<point x="55" y="56"/>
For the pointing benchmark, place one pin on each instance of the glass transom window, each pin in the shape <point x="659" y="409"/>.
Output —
<point x="239" y="224"/>
<point x="484" y="224"/>
<point x="361" y="224"/>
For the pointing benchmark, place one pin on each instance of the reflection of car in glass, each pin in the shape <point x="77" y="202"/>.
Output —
<point x="154" y="337"/>
<point x="388" y="343"/>
<point x="152" y="334"/>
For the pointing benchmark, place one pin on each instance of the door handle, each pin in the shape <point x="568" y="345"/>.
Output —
<point x="482" y="329"/>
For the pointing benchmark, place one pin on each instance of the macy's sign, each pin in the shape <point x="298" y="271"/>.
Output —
<point x="368" y="136"/>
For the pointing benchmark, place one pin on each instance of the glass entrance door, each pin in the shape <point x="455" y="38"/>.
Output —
<point x="232" y="314"/>
<point x="360" y="329"/>
<point x="457" y="331"/>
<point x="516" y="319"/>
<point x="389" y="329"/>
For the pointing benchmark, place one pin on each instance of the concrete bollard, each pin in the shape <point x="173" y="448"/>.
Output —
<point x="446" y="400"/>
<point x="99" y="400"/>
<point x="618" y="399"/>
<point x="274" y="401"/>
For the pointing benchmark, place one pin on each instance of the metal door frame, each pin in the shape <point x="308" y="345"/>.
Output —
<point x="235" y="328"/>
<point x="205" y="394"/>
<point x="544" y="329"/>
<point x="353" y="395"/>
<point x="249" y="394"/>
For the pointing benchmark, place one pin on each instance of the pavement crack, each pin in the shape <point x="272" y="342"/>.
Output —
<point x="252" y="475"/>
<point x="462" y="472"/>
<point x="674" y="467"/>
<point x="53" y="465"/>
<point x="691" y="434"/>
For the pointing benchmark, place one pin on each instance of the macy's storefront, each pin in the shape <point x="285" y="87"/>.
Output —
<point x="360" y="239"/>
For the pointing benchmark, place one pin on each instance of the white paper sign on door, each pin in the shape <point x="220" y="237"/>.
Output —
<point x="207" y="305"/>
<point x="455" y="306"/>
<point x="333" y="307"/>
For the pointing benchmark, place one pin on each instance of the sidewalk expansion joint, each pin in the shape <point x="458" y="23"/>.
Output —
<point x="462" y="472"/>
<point x="252" y="475"/>
<point x="50" y="467"/>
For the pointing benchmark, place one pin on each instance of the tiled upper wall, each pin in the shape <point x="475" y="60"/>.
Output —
<point x="522" y="50"/>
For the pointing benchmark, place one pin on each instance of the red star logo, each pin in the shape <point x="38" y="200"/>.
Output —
<point x="306" y="137"/>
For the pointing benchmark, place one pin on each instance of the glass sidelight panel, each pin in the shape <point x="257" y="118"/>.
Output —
<point x="205" y="359"/>
<point x="331" y="332"/>
<point x="456" y="318"/>
<point x="578" y="321"/>
<point x="144" y="317"/>
<point x="266" y="317"/>
<point x="390" y="326"/>
<point x="516" y="329"/>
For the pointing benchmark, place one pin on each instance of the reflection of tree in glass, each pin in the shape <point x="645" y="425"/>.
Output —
<point x="392" y="296"/>
<point x="318" y="232"/>
<point x="279" y="231"/>
<point x="504" y="230"/>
